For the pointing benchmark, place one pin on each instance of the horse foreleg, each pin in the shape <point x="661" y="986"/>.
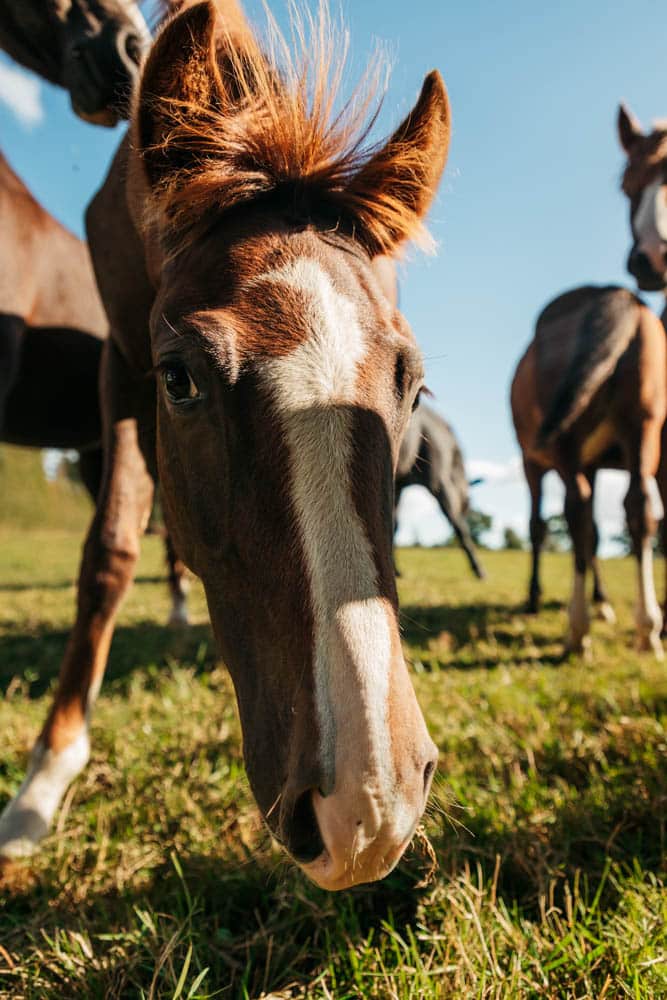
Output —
<point x="179" y="584"/>
<point x="579" y="516"/>
<point x="534" y="476"/>
<point x="603" y="606"/>
<point x="11" y="335"/>
<point x="91" y="469"/>
<point x="397" y="496"/>
<point x="460" y="529"/>
<point x="641" y="525"/>
<point x="107" y="568"/>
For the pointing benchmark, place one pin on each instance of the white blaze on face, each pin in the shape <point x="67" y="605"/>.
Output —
<point x="650" y="225"/>
<point x="314" y="388"/>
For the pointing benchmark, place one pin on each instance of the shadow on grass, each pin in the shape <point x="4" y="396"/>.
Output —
<point x="18" y="588"/>
<point x="259" y="927"/>
<point x="34" y="658"/>
<point x="465" y="624"/>
<point x="614" y="812"/>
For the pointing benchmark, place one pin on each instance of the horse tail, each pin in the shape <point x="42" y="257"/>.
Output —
<point x="604" y="336"/>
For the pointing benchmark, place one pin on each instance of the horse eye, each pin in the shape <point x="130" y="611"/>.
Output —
<point x="178" y="383"/>
<point x="416" y="401"/>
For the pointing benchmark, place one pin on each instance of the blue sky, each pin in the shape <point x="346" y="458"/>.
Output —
<point x="529" y="204"/>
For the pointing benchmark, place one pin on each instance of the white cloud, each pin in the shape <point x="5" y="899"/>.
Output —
<point x="22" y="94"/>
<point x="495" y="472"/>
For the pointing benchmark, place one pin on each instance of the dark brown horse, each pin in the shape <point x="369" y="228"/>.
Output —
<point x="234" y="243"/>
<point x="589" y="393"/>
<point x="52" y="330"/>
<point x="645" y="184"/>
<point x="91" y="48"/>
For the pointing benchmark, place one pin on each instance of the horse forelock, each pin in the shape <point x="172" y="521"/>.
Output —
<point x="281" y="135"/>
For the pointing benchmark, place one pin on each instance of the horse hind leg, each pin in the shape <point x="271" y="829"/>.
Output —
<point x="579" y="516"/>
<point x="603" y="607"/>
<point x="641" y="525"/>
<point x="534" y="475"/>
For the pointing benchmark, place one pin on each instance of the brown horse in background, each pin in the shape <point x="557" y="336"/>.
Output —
<point x="91" y="48"/>
<point x="234" y="244"/>
<point x="589" y="393"/>
<point x="52" y="330"/>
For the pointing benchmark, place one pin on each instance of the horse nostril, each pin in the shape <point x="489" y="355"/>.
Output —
<point x="302" y="837"/>
<point x="429" y="771"/>
<point x="132" y="45"/>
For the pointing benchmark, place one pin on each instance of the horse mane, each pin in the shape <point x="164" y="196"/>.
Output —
<point x="280" y="129"/>
<point x="645" y="160"/>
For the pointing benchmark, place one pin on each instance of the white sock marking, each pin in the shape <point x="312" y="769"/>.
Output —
<point x="28" y="817"/>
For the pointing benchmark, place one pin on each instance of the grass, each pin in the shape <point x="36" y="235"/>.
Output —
<point x="548" y="820"/>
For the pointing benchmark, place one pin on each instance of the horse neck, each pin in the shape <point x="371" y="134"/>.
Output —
<point x="30" y="33"/>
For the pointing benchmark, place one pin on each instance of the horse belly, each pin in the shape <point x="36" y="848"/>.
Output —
<point x="597" y="442"/>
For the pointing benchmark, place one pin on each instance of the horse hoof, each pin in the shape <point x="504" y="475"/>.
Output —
<point x="582" y="647"/>
<point x="179" y="617"/>
<point x="20" y="831"/>
<point x="651" y="643"/>
<point x="605" y="612"/>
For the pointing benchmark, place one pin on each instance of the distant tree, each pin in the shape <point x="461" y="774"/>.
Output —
<point x="69" y="468"/>
<point x="479" y="524"/>
<point x="512" y="539"/>
<point x="623" y="540"/>
<point x="557" y="536"/>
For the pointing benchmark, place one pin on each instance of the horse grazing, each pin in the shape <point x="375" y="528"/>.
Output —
<point x="234" y="241"/>
<point x="430" y="456"/>
<point x="591" y="392"/>
<point x="52" y="330"/>
<point x="91" y="48"/>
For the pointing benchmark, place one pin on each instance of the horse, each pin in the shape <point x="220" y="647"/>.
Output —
<point x="91" y="48"/>
<point x="590" y="392"/>
<point x="430" y="456"/>
<point x="52" y="332"/>
<point x="645" y="184"/>
<point x="256" y="365"/>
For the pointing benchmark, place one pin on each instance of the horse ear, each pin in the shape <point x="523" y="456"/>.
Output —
<point x="629" y="129"/>
<point x="394" y="189"/>
<point x="180" y="78"/>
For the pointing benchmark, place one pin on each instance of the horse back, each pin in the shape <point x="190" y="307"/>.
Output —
<point x="45" y="272"/>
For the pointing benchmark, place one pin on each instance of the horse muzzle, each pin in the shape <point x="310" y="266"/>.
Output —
<point x="650" y="273"/>
<point x="101" y="71"/>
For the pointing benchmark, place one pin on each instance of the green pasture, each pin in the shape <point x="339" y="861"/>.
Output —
<point x="547" y="825"/>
